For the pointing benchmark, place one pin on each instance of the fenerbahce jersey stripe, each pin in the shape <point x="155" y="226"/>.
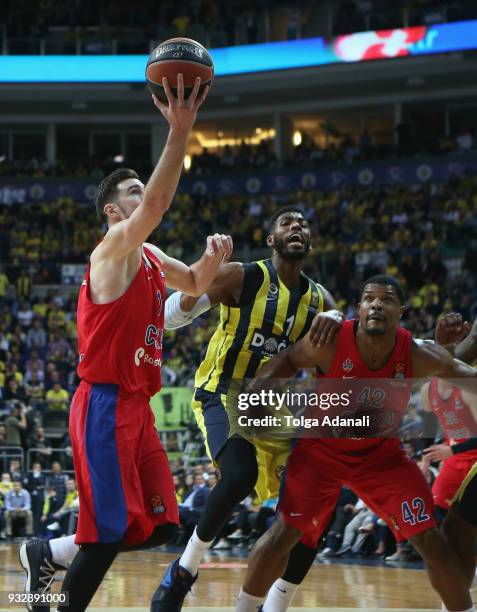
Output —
<point x="268" y="318"/>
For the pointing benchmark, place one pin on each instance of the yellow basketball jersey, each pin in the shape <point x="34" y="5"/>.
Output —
<point x="252" y="333"/>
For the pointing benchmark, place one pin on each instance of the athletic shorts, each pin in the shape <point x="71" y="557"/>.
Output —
<point x="124" y="481"/>
<point x="389" y="483"/>
<point x="217" y="415"/>
<point x="452" y="474"/>
<point x="466" y="497"/>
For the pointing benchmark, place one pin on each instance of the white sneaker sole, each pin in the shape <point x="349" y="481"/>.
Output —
<point x="22" y="553"/>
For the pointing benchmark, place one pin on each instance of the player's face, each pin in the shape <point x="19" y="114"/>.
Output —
<point x="130" y="196"/>
<point x="290" y="236"/>
<point x="379" y="310"/>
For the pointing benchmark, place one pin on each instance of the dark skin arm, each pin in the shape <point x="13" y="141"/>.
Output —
<point x="303" y="354"/>
<point x="430" y="359"/>
<point x="227" y="288"/>
<point x="467" y="349"/>
<point x="450" y="331"/>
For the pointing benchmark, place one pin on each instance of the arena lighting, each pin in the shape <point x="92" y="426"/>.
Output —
<point x="187" y="162"/>
<point x="297" y="138"/>
<point x="232" y="141"/>
<point x="359" y="47"/>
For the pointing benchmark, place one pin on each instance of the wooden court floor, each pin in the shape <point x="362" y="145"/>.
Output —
<point x="134" y="576"/>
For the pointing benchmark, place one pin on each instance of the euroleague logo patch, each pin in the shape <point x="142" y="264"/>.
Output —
<point x="157" y="505"/>
<point x="347" y="365"/>
<point x="399" y="370"/>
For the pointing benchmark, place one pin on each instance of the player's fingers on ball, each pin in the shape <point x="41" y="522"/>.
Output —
<point x="168" y="91"/>
<point x="180" y="89"/>
<point x="162" y="107"/>
<point x="202" y="98"/>
<point x="195" y="90"/>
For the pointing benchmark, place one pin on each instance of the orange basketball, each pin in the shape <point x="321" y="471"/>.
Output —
<point x="179" y="55"/>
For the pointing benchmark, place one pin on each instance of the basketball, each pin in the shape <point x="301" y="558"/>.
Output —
<point x="175" y="56"/>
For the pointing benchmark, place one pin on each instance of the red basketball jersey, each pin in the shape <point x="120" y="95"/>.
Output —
<point x="121" y="342"/>
<point x="386" y="402"/>
<point x="454" y="415"/>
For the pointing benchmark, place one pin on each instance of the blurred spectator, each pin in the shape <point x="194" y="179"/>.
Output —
<point x="18" y="508"/>
<point x="16" y="470"/>
<point x="14" y="423"/>
<point x="35" y="485"/>
<point x="36" y="337"/>
<point x="40" y="442"/>
<point x="51" y="505"/>
<point x="57" y="398"/>
<point x="57" y="480"/>
<point x="63" y="519"/>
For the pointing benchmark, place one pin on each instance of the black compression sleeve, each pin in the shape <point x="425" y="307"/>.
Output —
<point x="470" y="444"/>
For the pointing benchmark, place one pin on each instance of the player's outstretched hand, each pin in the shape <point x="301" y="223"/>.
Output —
<point x="219" y="246"/>
<point x="181" y="113"/>
<point x="325" y="326"/>
<point x="437" y="452"/>
<point x="451" y="329"/>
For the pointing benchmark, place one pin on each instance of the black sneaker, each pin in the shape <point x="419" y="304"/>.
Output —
<point x="36" y="560"/>
<point x="170" y="594"/>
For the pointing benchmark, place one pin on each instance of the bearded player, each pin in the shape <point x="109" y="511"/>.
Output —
<point x="377" y="469"/>
<point x="264" y="307"/>
<point x="125" y="486"/>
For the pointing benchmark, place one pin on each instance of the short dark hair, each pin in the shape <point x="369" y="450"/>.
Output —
<point x="281" y="211"/>
<point x="384" y="279"/>
<point x="108" y="188"/>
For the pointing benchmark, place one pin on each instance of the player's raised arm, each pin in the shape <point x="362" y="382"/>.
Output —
<point x="431" y="359"/>
<point x="302" y="354"/>
<point x="181" y="309"/>
<point x="196" y="278"/>
<point x="127" y="234"/>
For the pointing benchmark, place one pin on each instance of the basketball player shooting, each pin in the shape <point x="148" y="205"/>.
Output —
<point x="127" y="497"/>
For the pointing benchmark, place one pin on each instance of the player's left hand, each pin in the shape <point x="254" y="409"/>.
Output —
<point x="451" y="329"/>
<point x="437" y="452"/>
<point x="325" y="326"/>
<point x="219" y="246"/>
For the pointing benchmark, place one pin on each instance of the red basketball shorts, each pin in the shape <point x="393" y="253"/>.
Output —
<point x="390" y="484"/>
<point x="452" y="474"/>
<point x="124" y="481"/>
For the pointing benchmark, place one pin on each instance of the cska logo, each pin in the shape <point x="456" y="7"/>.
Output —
<point x="347" y="365"/>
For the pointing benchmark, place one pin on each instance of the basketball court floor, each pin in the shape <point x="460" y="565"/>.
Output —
<point x="335" y="587"/>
